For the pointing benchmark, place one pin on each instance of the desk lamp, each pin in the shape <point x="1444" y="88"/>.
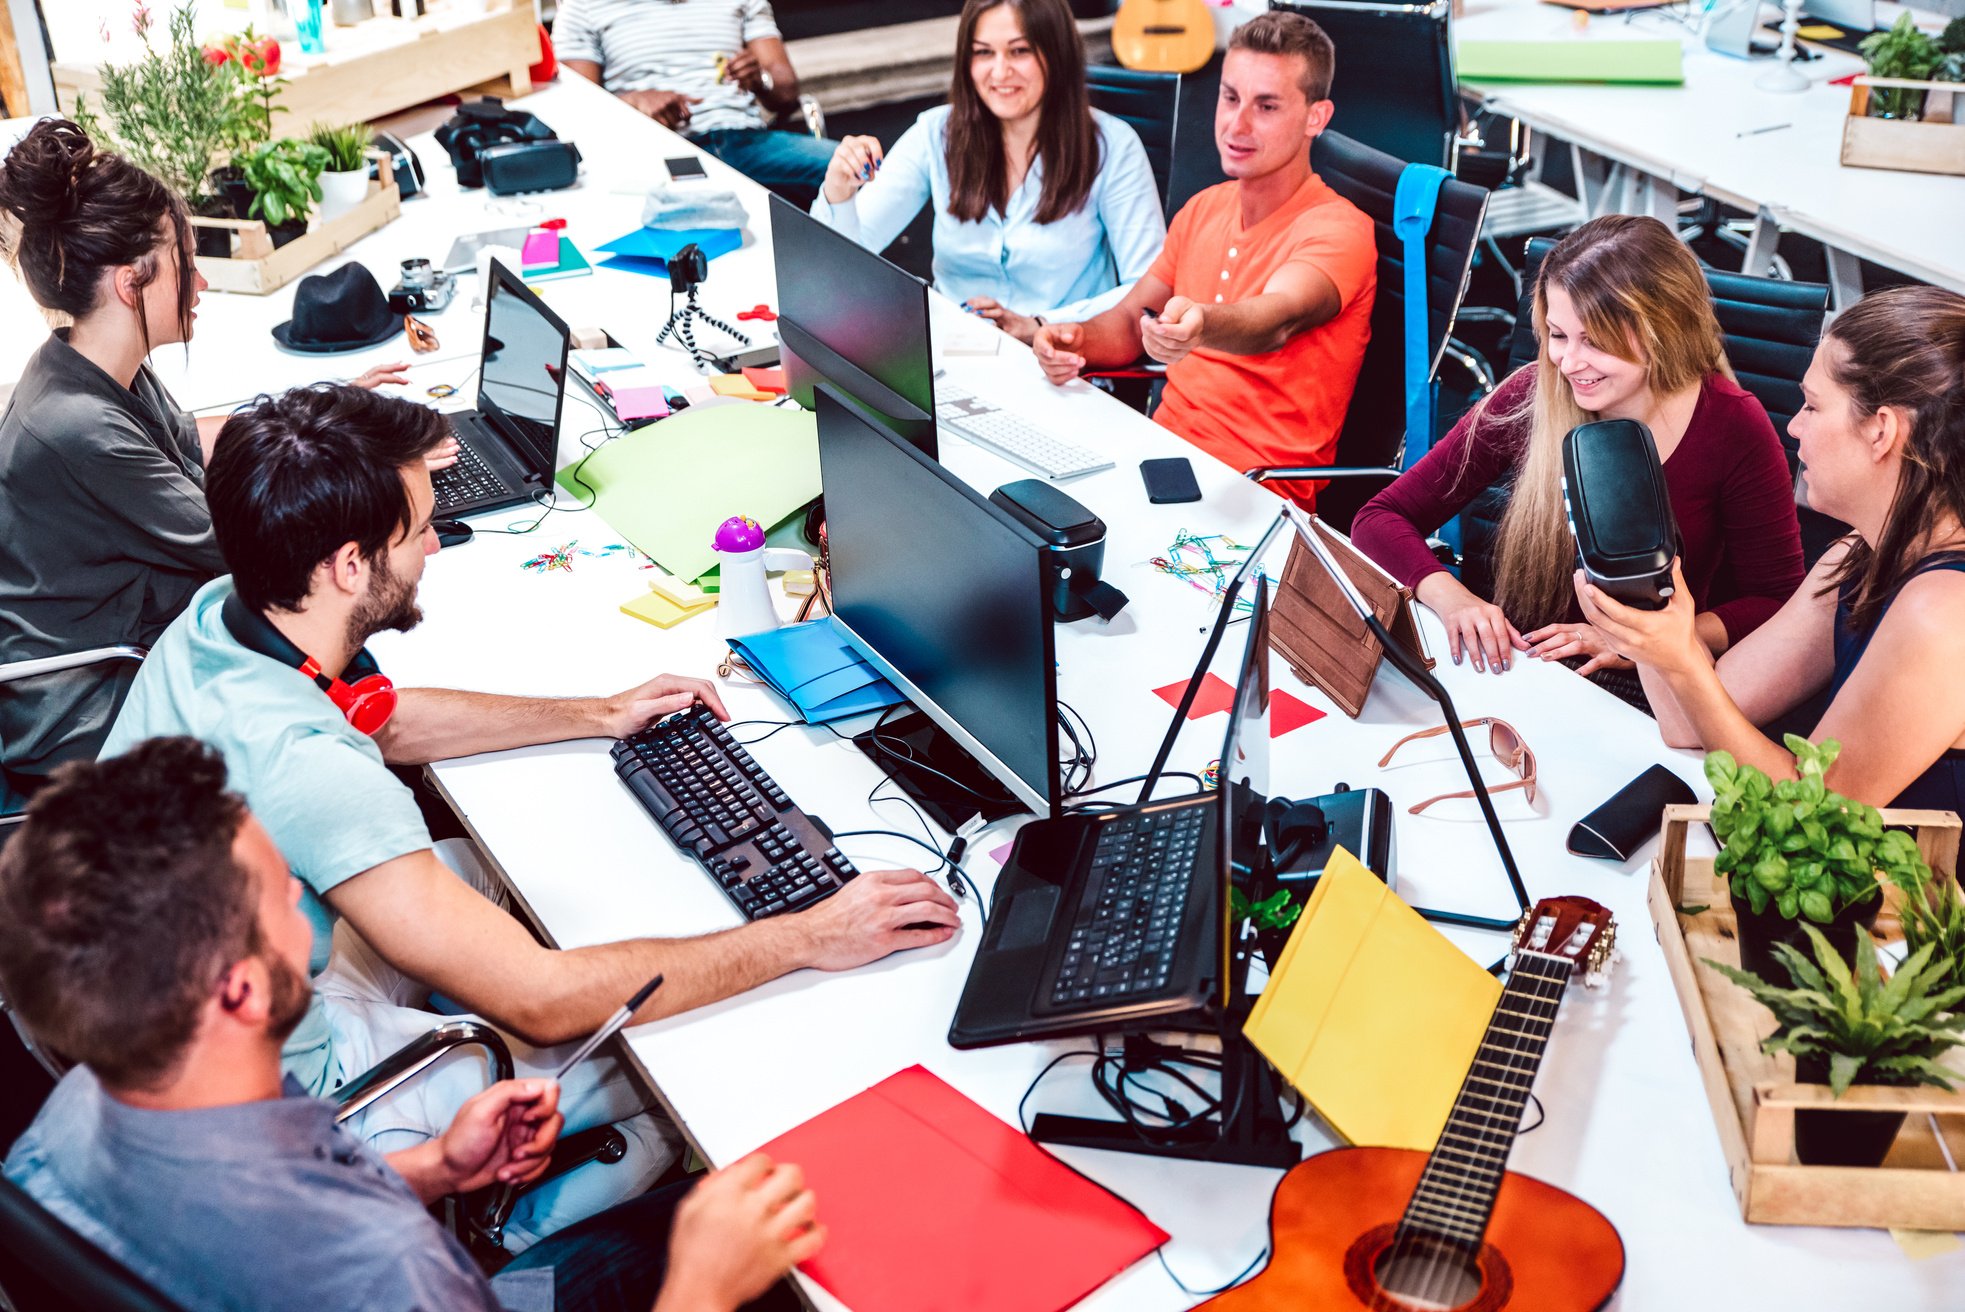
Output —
<point x="1785" y="76"/>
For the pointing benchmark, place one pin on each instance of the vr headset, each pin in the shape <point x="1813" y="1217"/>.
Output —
<point x="1613" y="492"/>
<point x="506" y="150"/>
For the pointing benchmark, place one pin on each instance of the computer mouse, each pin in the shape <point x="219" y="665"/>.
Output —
<point x="451" y="532"/>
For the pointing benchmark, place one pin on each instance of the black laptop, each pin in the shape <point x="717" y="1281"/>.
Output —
<point x="506" y="448"/>
<point x="1117" y="919"/>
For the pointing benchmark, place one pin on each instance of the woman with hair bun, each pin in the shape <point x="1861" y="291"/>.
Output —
<point x="101" y="474"/>
<point x="1880" y="621"/>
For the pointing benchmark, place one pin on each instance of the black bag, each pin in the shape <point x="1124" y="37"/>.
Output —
<point x="477" y="126"/>
<point x="1613" y="491"/>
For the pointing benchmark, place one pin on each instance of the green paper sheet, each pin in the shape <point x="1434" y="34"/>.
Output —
<point x="1571" y="60"/>
<point x="666" y="487"/>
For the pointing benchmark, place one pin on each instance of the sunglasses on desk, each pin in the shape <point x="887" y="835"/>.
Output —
<point x="1502" y="739"/>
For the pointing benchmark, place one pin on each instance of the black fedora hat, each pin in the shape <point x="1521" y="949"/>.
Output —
<point x="340" y="311"/>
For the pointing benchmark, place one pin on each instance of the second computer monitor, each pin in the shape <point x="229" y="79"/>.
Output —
<point x="848" y="317"/>
<point x="945" y="595"/>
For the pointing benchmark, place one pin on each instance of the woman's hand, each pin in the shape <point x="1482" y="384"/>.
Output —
<point x="382" y="375"/>
<point x="1666" y="640"/>
<point x="1020" y="326"/>
<point x="441" y="456"/>
<point x="853" y="166"/>
<point x="1474" y="625"/>
<point x="1558" y="642"/>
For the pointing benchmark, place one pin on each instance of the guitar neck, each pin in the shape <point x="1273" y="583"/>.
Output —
<point x="1456" y="1192"/>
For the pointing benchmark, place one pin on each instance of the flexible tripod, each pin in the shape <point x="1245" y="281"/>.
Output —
<point x="681" y="321"/>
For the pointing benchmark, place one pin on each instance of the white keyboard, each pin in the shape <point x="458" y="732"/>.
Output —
<point x="1010" y="436"/>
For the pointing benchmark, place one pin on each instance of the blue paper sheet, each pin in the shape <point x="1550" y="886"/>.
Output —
<point x="649" y="250"/>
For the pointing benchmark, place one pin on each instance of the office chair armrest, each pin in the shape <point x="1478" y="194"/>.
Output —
<point x="814" y="116"/>
<point x="72" y="660"/>
<point x="1464" y="356"/>
<point x="1271" y="473"/>
<point x="410" y="1059"/>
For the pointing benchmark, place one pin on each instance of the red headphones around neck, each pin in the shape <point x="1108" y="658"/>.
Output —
<point x="367" y="699"/>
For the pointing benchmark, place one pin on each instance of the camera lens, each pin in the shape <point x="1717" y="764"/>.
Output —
<point x="416" y="274"/>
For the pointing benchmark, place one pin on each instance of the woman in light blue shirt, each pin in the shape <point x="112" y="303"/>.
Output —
<point x="1044" y="207"/>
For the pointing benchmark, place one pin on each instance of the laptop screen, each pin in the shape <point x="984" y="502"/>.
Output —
<point x="524" y="378"/>
<point x="1244" y="786"/>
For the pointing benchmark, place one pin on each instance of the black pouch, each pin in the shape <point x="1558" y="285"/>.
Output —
<point x="1613" y="491"/>
<point x="1623" y="824"/>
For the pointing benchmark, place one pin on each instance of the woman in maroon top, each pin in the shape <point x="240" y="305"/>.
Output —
<point x="1626" y="324"/>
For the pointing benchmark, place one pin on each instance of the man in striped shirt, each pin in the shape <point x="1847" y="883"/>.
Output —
<point x="714" y="70"/>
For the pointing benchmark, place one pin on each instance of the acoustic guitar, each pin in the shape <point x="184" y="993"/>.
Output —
<point x="1396" y="1230"/>
<point x="1163" y="36"/>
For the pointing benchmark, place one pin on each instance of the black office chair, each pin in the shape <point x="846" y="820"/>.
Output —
<point x="1371" y="445"/>
<point x="47" y="1267"/>
<point x="1770" y="326"/>
<point x="1394" y="86"/>
<point x="13" y="671"/>
<point x="1147" y="102"/>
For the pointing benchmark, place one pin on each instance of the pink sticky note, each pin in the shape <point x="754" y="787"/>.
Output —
<point x="640" y="403"/>
<point x="1287" y="713"/>
<point x="1001" y="854"/>
<point x="541" y="248"/>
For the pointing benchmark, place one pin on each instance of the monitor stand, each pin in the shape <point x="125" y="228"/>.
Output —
<point x="953" y="788"/>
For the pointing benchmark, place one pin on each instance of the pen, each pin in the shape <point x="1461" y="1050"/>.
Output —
<point x="1754" y="132"/>
<point x="608" y="1030"/>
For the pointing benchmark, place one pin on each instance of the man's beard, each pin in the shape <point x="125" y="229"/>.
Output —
<point x="292" y="993"/>
<point x="390" y="604"/>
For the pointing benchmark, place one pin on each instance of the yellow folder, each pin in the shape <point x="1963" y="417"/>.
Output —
<point x="1372" y="1014"/>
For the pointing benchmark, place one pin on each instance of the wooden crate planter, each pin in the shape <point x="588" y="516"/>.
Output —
<point x="1933" y="144"/>
<point x="1754" y="1096"/>
<point x="256" y="268"/>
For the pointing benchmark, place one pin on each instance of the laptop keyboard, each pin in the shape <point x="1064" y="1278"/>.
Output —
<point x="470" y="479"/>
<point x="1123" y="942"/>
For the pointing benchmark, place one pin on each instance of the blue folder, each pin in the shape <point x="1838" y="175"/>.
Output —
<point x="649" y="250"/>
<point x="812" y="666"/>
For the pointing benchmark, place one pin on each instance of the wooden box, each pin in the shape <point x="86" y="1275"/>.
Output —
<point x="1754" y="1096"/>
<point x="1933" y="144"/>
<point x="256" y="268"/>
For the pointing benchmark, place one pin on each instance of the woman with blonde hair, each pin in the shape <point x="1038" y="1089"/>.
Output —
<point x="1626" y="328"/>
<point x="1880" y="623"/>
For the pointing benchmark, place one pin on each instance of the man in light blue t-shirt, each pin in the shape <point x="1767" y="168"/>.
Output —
<point x="322" y="508"/>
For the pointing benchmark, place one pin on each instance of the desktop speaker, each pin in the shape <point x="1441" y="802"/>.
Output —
<point x="1620" y="512"/>
<point x="1076" y="541"/>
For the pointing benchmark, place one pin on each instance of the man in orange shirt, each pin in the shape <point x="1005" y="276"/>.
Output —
<point x="1263" y="293"/>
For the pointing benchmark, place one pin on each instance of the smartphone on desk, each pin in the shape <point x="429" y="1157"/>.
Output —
<point x="686" y="168"/>
<point x="1169" y="480"/>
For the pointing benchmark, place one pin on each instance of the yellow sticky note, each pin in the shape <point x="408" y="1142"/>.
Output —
<point x="660" y="611"/>
<point x="1921" y="1244"/>
<point x="1818" y="32"/>
<point x="1372" y="1014"/>
<point x="738" y="386"/>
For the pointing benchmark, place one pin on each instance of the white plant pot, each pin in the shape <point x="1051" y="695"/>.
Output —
<point x="341" y="192"/>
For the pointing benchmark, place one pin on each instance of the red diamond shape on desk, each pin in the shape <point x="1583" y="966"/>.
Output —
<point x="1215" y="694"/>
<point x="1287" y="713"/>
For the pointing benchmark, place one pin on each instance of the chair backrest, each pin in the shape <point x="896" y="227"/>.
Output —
<point x="1393" y="85"/>
<point x="46" y="1265"/>
<point x="1374" y="427"/>
<point x="1770" y="327"/>
<point x="1149" y="103"/>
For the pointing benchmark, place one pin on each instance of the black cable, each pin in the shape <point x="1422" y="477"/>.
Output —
<point x="778" y="727"/>
<point x="549" y="502"/>
<point x="1199" y="788"/>
<point x="982" y="913"/>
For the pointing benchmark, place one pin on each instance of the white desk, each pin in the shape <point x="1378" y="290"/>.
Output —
<point x="1628" y="1126"/>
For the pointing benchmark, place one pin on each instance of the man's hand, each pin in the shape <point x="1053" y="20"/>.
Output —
<point x="1174" y="335"/>
<point x="632" y="711"/>
<point x="1020" y="326"/>
<point x="736" y="1234"/>
<point x="669" y="108"/>
<point x="868" y="919"/>
<point x="744" y="69"/>
<point x="1057" y="346"/>
<point x="504" y="1135"/>
<point x="854" y="162"/>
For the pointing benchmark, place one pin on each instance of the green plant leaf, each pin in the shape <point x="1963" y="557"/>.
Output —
<point x="1816" y="907"/>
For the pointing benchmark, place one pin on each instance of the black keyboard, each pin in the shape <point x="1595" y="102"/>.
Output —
<point x="717" y="803"/>
<point x="1122" y="943"/>
<point x="470" y="479"/>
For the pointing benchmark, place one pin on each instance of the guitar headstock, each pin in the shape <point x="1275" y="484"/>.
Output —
<point x="1574" y="929"/>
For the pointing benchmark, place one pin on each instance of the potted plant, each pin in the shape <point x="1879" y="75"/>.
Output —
<point x="1905" y="51"/>
<point x="285" y="177"/>
<point x="172" y="113"/>
<point x="1796" y="852"/>
<point x="1845" y="1027"/>
<point x="252" y="63"/>
<point x="344" y="183"/>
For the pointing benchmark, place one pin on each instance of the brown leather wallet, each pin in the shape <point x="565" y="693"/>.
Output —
<point x="1324" y="640"/>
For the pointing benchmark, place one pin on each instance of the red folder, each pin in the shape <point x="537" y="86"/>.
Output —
<point x="932" y="1203"/>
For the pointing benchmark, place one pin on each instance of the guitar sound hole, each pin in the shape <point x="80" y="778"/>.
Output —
<point x="1428" y="1276"/>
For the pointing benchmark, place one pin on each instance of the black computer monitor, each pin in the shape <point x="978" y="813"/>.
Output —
<point x="1244" y="781"/>
<point x="848" y="317"/>
<point x="523" y="383"/>
<point x="943" y="593"/>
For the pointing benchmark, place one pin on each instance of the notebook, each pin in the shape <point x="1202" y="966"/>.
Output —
<point x="932" y="1204"/>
